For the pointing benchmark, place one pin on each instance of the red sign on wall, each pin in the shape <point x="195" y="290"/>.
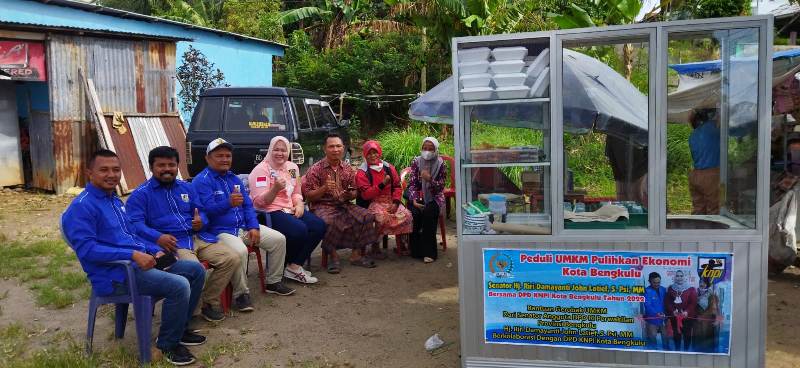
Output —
<point x="23" y="60"/>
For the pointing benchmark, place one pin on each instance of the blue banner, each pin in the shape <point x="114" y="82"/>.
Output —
<point x="663" y="302"/>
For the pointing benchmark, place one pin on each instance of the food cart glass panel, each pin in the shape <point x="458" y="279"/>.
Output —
<point x="712" y="137"/>
<point x="605" y="87"/>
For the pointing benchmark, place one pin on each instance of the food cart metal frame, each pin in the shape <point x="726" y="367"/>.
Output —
<point x="748" y="246"/>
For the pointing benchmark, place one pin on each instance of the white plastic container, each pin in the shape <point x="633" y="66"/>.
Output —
<point x="474" y="54"/>
<point x="537" y="66"/>
<point x="539" y="88"/>
<point x="475" y="80"/>
<point x="476" y="67"/>
<point x="509" y="53"/>
<point x="507" y="80"/>
<point x="520" y="91"/>
<point x="476" y="93"/>
<point x="507" y="66"/>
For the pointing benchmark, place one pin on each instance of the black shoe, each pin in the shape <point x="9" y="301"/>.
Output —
<point x="211" y="315"/>
<point x="179" y="355"/>
<point x="243" y="303"/>
<point x="280" y="289"/>
<point x="190" y="338"/>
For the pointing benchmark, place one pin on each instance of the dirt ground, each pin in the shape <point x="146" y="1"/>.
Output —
<point x="359" y="318"/>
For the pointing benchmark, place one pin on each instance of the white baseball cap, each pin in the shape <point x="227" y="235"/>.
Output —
<point x="217" y="143"/>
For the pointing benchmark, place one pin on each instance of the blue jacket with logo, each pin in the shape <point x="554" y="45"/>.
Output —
<point x="157" y="209"/>
<point x="98" y="228"/>
<point x="654" y="304"/>
<point x="215" y="191"/>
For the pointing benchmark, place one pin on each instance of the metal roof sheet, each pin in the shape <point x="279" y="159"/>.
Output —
<point x="94" y="8"/>
<point x="109" y="31"/>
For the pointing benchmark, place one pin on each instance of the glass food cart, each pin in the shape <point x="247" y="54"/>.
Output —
<point x="607" y="216"/>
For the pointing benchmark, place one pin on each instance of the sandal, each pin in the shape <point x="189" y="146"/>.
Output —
<point x="363" y="262"/>
<point x="334" y="267"/>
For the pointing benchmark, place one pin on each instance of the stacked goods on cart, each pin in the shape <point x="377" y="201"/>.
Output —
<point x="487" y="154"/>
<point x="474" y="78"/>
<point x="501" y="73"/>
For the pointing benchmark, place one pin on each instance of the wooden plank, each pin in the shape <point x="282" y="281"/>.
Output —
<point x="96" y="114"/>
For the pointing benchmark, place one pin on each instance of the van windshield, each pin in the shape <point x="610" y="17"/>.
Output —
<point x="255" y="114"/>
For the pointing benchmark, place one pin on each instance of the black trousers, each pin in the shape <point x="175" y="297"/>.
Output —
<point x="423" y="238"/>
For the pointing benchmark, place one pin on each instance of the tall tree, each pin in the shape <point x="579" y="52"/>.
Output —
<point x="259" y="19"/>
<point x="603" y="13"/>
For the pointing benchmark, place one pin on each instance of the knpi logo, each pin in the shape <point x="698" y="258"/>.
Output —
<point x="713" y="269"/>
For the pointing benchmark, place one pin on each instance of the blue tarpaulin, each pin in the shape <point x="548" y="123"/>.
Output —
<point x="716" y="65"/>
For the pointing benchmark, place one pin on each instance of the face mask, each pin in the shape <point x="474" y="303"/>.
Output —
<point x="377" y="167"/>
<point x="428" y="155"/>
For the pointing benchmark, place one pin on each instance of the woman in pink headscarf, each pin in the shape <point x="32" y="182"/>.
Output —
<point x="379" y="190"/>
<point x="275" y="189"/>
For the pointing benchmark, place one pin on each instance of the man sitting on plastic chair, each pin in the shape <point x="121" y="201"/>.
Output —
<point x="167" y="211"/>
<point x="99" y="230"/>
<point x="232" y="219"/>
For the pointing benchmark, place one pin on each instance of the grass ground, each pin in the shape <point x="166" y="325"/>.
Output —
<point x="49" y="268"/>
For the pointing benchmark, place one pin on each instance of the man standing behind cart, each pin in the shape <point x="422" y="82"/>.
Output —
<point x="654" y="311"/>
<point x="704" y="178"/>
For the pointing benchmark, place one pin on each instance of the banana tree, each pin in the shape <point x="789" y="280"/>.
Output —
<point x="334" y="19"/>
<point x="445" y="19"/>
<point x="606" y="12"/>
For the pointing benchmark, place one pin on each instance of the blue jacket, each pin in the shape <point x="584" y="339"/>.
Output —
<point x="156" y="209"/>
<point x="654" y="304"/>
<point x="215" y="191"/>
<point x="704" y="145"/>
<point x="99" y="230"/>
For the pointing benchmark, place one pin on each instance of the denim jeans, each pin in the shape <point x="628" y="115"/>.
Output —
<point x="302" y="235"/>
<point x="180" y="287"/>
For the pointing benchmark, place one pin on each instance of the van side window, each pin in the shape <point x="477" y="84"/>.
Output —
<point x="208" y="115"/>
<point x="316" y="111"/>
<point x="255" y="114"/>
<point x="303" y="122"/>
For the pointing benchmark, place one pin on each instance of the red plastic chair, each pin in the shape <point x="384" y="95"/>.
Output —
<point x="450" y="192"/>
<point x="226" y="298"/>
<point x="261" y="274"/>
<point x="404" y="184"/>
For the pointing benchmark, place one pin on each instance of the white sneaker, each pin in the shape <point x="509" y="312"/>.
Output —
<point x="305" y="271"/>
<point x="300" y="276"/>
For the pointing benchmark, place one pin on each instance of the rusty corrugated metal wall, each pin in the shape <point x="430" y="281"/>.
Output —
<point x="176" y="133"/>
<point x="131" y="76"/>
<point x="41" y="133"/>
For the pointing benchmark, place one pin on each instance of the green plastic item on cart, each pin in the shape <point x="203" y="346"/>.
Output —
<point x="476" y="208"/>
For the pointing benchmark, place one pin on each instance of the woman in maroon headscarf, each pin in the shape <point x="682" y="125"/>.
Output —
<point x="379" y="190"/>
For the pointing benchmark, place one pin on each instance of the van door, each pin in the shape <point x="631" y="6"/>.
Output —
<point x="313" y="138"/>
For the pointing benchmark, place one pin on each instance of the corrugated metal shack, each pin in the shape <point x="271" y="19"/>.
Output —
<point x="52" y="49"/>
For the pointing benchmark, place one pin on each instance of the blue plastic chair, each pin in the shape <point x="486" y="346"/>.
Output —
<point x="142" y="311"/>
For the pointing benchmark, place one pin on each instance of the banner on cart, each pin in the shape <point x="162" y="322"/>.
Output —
<point x="664" y="302"/>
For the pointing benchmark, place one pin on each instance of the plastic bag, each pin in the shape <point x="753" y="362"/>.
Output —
<point x="434" y="342"/>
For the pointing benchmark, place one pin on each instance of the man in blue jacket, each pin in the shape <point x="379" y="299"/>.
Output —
<point x="98" y="228"/>
<point x="167" y="211"/>
<point x="232" y="218"/>
<point x="654" y="311"/>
